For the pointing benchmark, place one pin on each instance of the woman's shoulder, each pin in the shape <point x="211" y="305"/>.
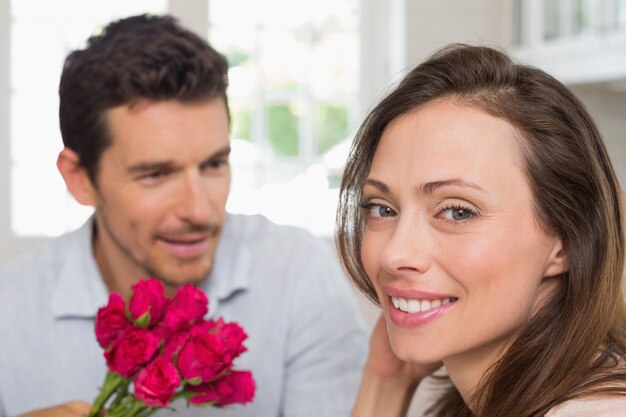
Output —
<point x="594" y="406"/>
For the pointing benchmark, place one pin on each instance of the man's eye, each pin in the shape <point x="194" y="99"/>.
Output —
<point x="152" y="175"/>
<point x="216" y="164"/>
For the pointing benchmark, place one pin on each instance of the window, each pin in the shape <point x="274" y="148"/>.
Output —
<point x="294" y="76"/>
<point x="549" y="21"/>
<point x="42" y="33"/>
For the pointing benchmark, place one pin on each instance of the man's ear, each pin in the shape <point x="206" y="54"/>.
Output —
<point x="76" y="178"/>
<point x="558" y="261"/>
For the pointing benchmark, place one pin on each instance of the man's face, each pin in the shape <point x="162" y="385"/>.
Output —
<point x="161" y="191"/>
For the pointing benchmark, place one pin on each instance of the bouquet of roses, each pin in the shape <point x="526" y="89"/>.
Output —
<point x="159" y="349"/>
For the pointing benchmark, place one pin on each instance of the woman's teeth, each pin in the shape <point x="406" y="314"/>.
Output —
<point x="419" y="306"/>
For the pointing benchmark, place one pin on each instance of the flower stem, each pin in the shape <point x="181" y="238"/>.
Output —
<point x="111" y="382"/>
<point x="150" y="412"/>
<point x="135" y="409"/>
<point x="122" y="391"/>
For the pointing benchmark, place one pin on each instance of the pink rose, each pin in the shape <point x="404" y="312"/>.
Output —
<point x="188" y="306"/>
<point x="111" y="320"/>
<point x="201" y="358"/>
<point x="236" y="387"/>
<point x="232" y="336"/>
<point x="132" y="350"/>
<point x="148" y="302"/>
<point x="157" y="383"/>
<point x="174" y="343"/>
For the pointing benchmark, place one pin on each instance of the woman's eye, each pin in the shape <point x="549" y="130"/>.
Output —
<point x="457" y="214"/>
<point x="379" y="210"/>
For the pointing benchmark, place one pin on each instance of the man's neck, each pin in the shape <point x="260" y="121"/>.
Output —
<point x="117" y="272"/>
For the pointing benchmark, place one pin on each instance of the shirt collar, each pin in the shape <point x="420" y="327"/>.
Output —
<point x="80" y="290"/>
<point x="231" y="269"/>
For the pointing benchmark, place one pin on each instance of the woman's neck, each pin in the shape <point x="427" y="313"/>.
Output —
<point x="467" y="370"/>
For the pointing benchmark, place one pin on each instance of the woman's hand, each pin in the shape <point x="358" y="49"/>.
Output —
<point x="388" y="383"/>
<point x="384" y="363"/>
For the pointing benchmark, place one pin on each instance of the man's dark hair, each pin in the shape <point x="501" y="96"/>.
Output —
<point x="137" y="58"/>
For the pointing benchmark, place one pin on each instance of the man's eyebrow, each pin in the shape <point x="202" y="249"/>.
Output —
<point x="225" y="151"/>
<point x="142" y="167"/>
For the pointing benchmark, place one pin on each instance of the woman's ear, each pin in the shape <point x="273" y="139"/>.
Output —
<point x="558" y="261"/>
<point x="76" y="178"/>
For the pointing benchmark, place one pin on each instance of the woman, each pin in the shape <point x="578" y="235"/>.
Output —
<point x="480" y="210"/>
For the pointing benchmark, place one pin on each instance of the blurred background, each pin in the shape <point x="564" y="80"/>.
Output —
<point x="302" y="75"/>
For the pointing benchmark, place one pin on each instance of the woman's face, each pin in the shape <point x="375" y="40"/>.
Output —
<point x="452" y="244"/>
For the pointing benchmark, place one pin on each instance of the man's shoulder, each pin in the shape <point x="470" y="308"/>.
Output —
<point x="278" y="254"/>
<point x="42" y="261"/>
<point x="257" y="225"/>
<point x="258" y="231"/>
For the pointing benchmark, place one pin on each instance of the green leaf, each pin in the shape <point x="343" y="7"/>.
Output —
<point x="143" y="320"/>
<point x="194" y="381"/>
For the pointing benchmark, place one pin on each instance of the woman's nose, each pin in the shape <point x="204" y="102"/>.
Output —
<point x="409" y="248"/>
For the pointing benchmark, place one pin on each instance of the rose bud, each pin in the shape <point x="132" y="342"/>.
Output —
<point x="236" y="387"/>
<point x="147" y="303"/>
<point x="157" y="383"/>
<point x="111" y="320"/>
<point x="232" y="336"/>
<point x="188" y="306"/>
<point x="174" y="343"/>
<point x="133" y="349"/>
<point x="201" y="358"/>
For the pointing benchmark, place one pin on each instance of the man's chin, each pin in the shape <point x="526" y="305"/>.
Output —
<point x="176" y="275"/>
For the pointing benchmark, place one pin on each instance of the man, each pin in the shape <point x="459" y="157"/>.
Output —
<point x="144" y="120"/>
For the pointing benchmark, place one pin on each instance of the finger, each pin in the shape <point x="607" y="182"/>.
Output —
<point x="79" y="408"/>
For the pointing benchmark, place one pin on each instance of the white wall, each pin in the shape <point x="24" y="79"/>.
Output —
<point x="608" y="107"/>
<point x="9" y="246"/>
<point x="432" y="24"/>
<point x="5" y="99"/>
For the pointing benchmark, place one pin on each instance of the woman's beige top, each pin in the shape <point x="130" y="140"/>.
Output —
<point x="614" y="406"/>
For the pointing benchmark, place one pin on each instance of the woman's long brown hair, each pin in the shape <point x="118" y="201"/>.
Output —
<point x="575" y="345"/>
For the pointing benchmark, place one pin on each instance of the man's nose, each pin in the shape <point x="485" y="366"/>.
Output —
<point x="193" y="203"/>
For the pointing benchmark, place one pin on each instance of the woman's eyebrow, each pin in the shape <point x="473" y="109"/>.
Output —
<point x="427" y="188"/>
<point x="430" y="187"/>
<point x="382" y="187"/>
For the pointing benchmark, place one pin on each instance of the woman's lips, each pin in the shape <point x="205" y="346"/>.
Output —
<point x="412" y="308"/>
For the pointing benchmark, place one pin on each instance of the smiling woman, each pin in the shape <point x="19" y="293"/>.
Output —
<point x="480" y="210"/>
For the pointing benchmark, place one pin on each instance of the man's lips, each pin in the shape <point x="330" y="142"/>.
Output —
<point x="185" y="247"/>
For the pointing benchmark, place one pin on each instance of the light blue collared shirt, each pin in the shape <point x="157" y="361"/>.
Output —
<point x="306" y="343"/>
